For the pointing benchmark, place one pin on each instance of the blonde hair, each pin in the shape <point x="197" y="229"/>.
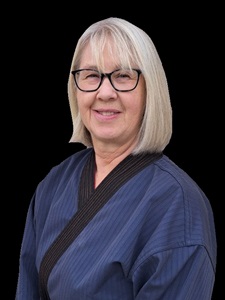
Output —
<point x="130" y="46"/>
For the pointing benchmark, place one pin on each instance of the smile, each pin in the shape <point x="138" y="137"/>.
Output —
<point x="107" y="113"/>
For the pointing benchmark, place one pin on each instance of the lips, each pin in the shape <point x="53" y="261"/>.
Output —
<point x="107" y="113"/>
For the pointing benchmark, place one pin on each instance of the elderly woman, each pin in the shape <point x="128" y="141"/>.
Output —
<point x="118" y="219"/>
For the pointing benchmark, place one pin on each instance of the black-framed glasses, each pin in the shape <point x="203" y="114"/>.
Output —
<point x="122" y="80"/>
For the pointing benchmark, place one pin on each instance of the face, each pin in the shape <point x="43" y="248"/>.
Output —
<point x="113" y="118"/>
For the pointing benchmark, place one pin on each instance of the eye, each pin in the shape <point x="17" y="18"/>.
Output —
<point x="121" y="74"/>
<point x="124" y="75"/>
<point x="92" y="74"/>
<point x="87" y="74"/>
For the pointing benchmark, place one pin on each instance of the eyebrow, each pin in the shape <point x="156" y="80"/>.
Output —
<point x="95" y="67"/>
<point x="89" y="67"/>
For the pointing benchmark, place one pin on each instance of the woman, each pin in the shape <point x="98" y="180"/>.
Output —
<point x="119" y="219"/>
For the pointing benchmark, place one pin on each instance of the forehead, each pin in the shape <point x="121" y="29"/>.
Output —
<point x="105" y="57"/>
<point x="100" y="58"/>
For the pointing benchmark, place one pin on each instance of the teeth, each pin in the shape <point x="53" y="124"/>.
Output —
<point x="106" y="113"/>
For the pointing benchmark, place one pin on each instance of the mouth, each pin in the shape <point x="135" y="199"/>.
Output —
<point x="107" y="113"/>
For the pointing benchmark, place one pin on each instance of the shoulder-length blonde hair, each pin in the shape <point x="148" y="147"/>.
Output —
<point x="130" y="46"/>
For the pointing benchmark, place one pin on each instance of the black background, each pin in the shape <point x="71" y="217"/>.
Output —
<point x="36" y="124"/>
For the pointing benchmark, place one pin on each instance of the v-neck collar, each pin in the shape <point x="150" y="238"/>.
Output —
<point x="125" y="170"/>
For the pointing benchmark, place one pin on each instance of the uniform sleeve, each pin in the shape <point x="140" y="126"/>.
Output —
<point x="183" y="273"/>
<point x="27" y="285"/>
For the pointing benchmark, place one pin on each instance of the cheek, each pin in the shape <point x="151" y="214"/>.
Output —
<point x="138" y="113"/>
<point x="139" y="106"/>
<point x="83" y="102"/>
<point x="140" y="97"/>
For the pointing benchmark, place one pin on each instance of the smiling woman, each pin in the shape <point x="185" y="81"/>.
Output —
<point x="118" y="219"/>
<point x="113" y="119"/>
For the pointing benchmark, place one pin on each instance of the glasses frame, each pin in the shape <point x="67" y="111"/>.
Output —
<point x="103" y="75"/>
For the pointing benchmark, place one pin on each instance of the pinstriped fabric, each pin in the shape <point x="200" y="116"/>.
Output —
<point x="154" y="238"/>
<point x="90" y="202"/>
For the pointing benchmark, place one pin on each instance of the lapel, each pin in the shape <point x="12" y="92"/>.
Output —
<point x="90" y="202"/>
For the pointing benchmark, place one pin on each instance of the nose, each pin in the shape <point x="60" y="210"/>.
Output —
<point x="106" y="79"/>
<point x="106" y="89"/>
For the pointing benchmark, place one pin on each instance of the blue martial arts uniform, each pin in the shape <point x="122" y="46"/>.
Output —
<point x="153" y="239"/>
